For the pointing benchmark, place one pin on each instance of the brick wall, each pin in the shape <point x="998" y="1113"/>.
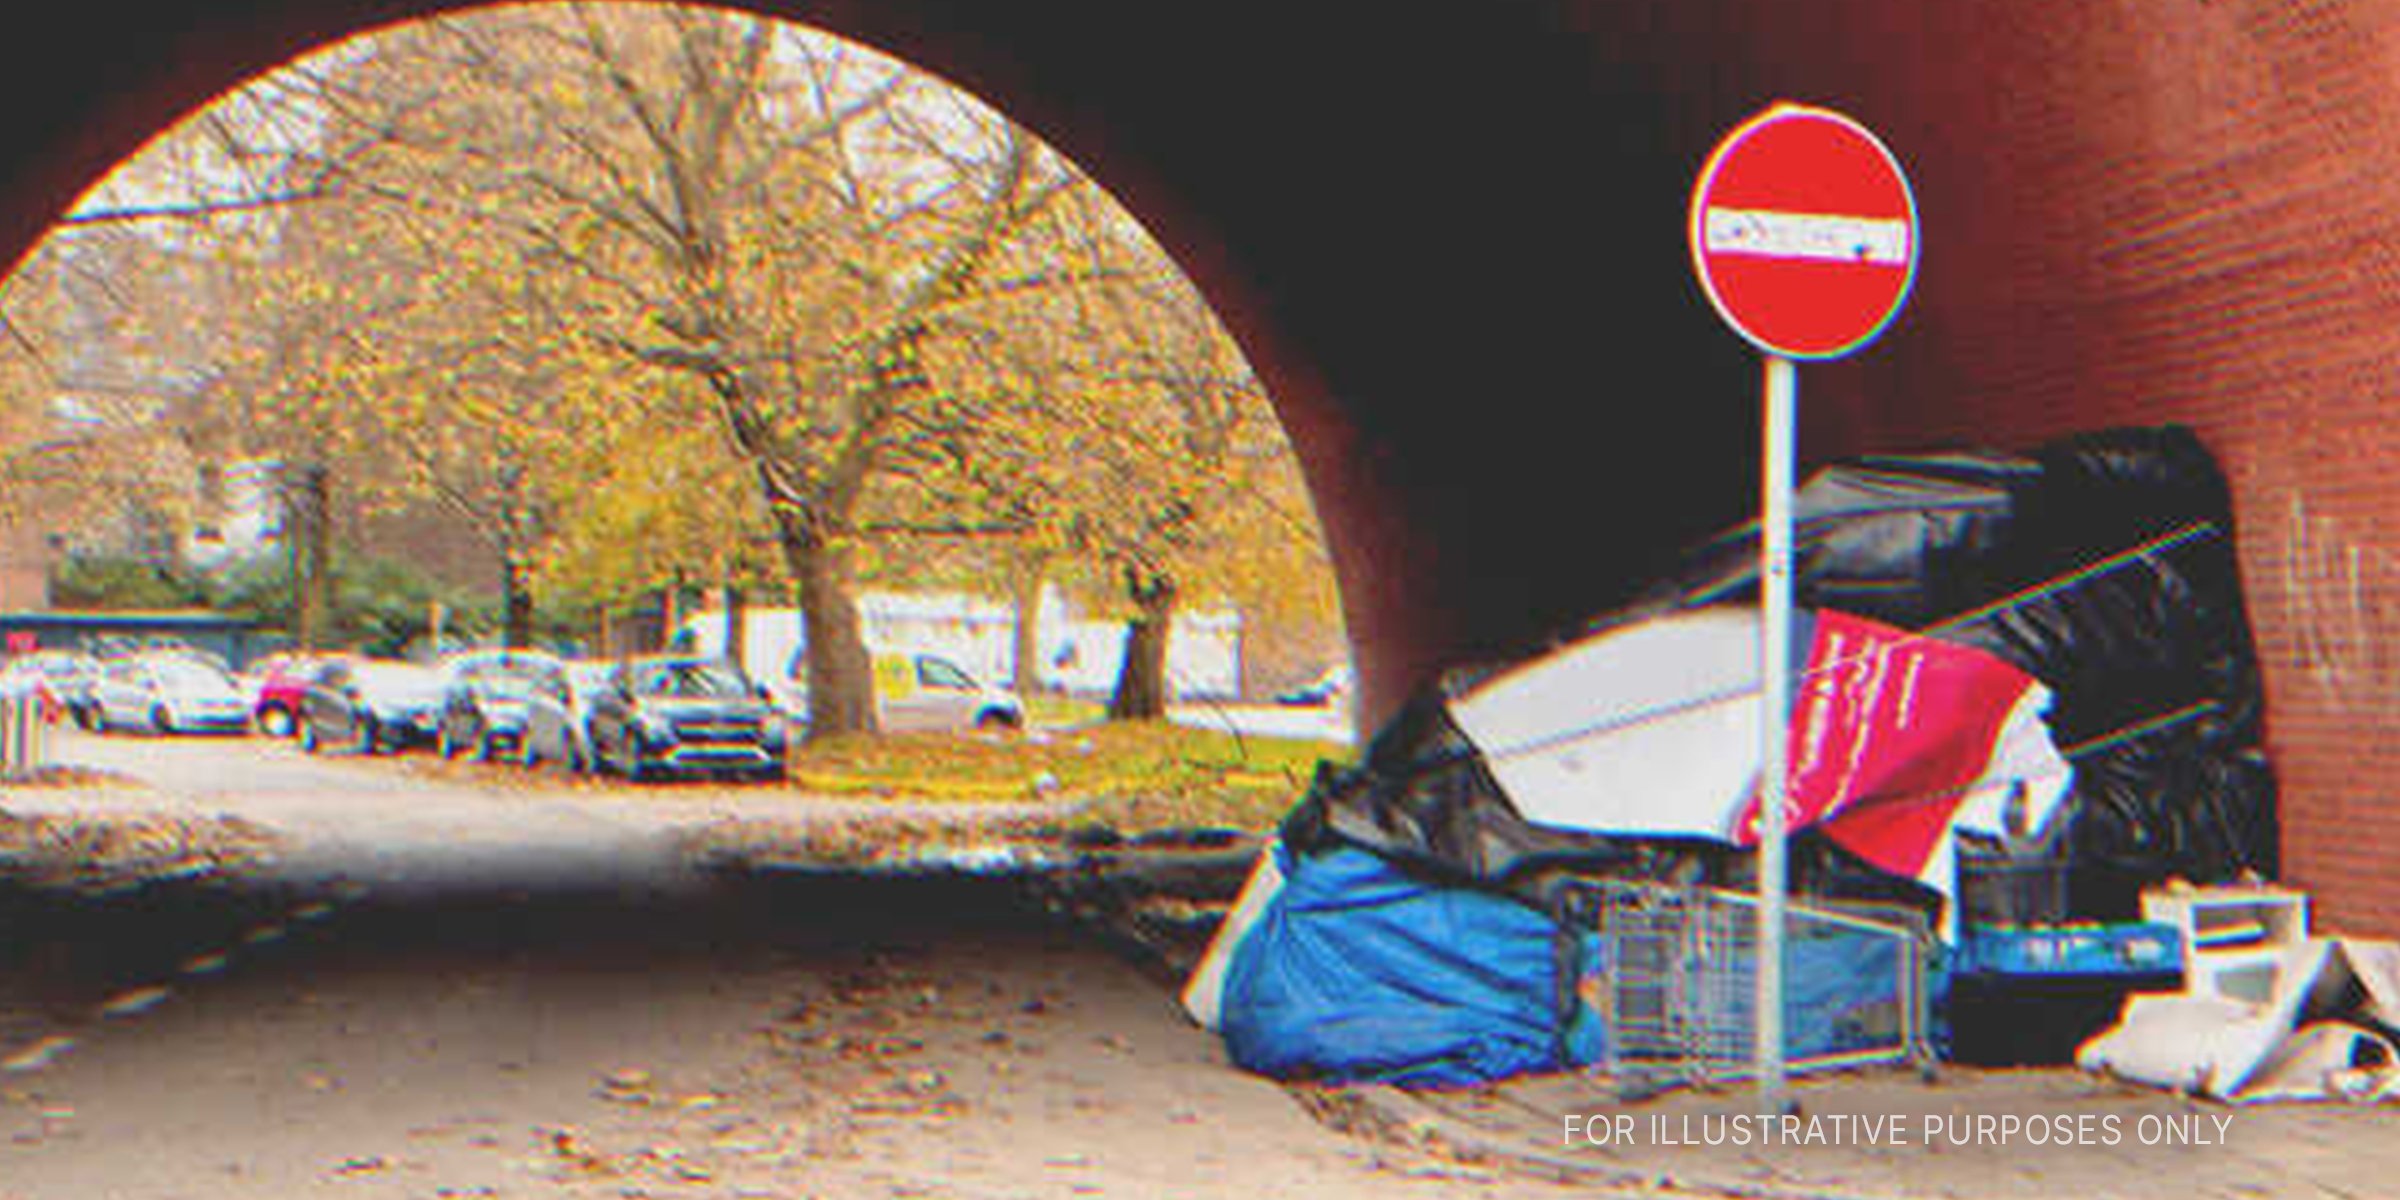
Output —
<point x="2191" y="211"/>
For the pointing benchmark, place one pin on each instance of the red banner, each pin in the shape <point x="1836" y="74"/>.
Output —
<point x="1890" y="731"/>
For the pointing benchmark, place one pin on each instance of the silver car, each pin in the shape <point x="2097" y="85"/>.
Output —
<point x="169" y="693"/>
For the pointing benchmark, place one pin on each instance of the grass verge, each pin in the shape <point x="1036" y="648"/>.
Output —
<point x="1131" y="775"/>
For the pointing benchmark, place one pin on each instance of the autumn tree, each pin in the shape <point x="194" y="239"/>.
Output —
<point x="634" y="291"/>
<point x="778" y="228"/>
<point x="1138" y="452"/>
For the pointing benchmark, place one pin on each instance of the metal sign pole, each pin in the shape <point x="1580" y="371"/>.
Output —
<point x="1803" y="233"/>
<point x="1774" y="694"/>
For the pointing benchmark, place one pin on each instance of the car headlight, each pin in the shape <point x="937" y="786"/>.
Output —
<point x="653" y="727"/>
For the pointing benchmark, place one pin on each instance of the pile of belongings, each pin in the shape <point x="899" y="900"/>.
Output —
<point x="1999" y="658"/>
<point x="2326" y="1032"/>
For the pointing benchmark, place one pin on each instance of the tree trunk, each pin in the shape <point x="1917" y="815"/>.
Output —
<point x="737" y="627"/>
<point x="1027" y="669"/>
<point x="313" y="543"/>
<point x="516" y="581"/>
<point x="670" y="611"/>
<point x="1142" y="680"/>
<point x="841" y="676"/>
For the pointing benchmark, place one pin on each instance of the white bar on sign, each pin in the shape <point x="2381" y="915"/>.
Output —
<point x="1820" y="236"/>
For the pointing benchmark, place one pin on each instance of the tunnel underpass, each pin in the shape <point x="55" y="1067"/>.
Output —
<point x="1450" y="241"/>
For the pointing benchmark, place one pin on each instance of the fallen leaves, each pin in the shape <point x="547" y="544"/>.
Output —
<point x="37" y="1055"/>
<point x="1183" y="775"/>
<point x="101" y="853"/>
<point x="137" y="1000"/>
<point x="626" y="1081"/>
<point x="578" y="1155"/>
<point x="62" y="775"/>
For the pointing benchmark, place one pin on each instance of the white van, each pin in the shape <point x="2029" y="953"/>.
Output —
<point x="916" y="689"/>
<point x="919" y="691"/>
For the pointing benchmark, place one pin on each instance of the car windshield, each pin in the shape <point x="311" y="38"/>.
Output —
<point x="942" y="673"/>
<point x="586" y="678"/>
<point x="690" y="679"/>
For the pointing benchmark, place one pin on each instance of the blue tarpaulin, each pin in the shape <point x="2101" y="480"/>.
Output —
<point x="1358" y="972"/>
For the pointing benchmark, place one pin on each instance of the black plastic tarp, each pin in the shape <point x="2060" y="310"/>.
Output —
<point x="2103" y="565"/>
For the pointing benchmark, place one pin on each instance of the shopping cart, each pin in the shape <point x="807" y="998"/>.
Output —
<point x="1671" y="973"/>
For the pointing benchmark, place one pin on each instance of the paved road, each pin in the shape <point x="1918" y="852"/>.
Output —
<point x="904" y="1038"/>
<point x="408" y="823"/>
<point x="533" y="997"/>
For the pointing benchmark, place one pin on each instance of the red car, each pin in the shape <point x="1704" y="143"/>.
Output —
<point x="283" y="679"/>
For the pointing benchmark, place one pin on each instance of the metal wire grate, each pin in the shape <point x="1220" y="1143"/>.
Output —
<point x="1675" y="976"/>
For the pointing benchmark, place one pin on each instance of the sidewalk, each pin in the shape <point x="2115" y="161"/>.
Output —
<point x="2088" y="1137"/>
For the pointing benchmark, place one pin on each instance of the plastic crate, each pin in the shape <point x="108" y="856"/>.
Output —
<point x="2141" y="948"/>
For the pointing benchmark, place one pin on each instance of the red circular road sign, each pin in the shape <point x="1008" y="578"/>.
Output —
<point x="1804" y="232"/>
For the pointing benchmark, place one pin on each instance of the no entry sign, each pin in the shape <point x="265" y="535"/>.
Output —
<point x="1804" y="232"/>
<point x="1805" y="237"/>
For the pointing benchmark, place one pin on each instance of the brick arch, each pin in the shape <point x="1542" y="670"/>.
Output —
<point x="1449" y="236"/>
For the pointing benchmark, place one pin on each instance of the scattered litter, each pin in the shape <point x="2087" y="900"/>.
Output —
<point x="2326" y="1033"/>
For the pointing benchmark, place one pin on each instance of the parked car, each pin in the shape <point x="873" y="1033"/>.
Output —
<point x="61" y="678"/>
<point x="555" y="729"/>
<point x="929" y="692"/>
<point x="168" y="693"/>
<point x="282" y="681"/>
<point x="919" y="691"/>
<point x="685" y="715"/>
<point x="108" y="647"/>
<point x="486" y="697"/>
<point x="371" y="705"/>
